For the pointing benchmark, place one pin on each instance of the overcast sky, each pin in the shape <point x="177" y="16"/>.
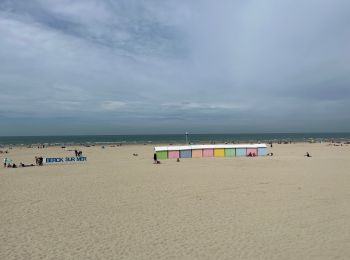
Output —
<point x="159" y="66"/>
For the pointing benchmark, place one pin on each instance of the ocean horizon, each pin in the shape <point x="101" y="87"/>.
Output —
<point x="171" y="138"/>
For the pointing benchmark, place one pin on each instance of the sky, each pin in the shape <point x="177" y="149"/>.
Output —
<point x="170" y="66"/>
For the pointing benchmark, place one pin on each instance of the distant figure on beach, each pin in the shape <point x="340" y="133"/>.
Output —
<point x="39" y="161"/>
<point x="76" y="152"/>
<point x="155" y="158"/>
<point x="307" y="154"/>
<point x="178" y="159"/>
<point x="11" y="165"/>
<point x="5" y="162"/>
<point x="271" y="144"/>
<point x="25" y="165"/>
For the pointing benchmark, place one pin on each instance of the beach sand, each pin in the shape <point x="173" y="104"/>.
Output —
<point x="120" y="206"/>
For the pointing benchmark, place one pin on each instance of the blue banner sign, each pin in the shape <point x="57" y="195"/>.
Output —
<point x="65" y="159"/>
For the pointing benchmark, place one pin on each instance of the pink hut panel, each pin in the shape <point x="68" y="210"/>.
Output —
<point x="253" y="151"/>
<point x="197" y="153"/>
<point x="173" y="154"/>
<point x="208" y="152"/>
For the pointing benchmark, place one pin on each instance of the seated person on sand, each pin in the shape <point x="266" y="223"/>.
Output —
<point x="307" y="154"/>
<point x="39" y="161"/>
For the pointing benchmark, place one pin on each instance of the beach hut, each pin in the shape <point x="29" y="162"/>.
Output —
<point x="241" y="152"/>
<point x="161" y="155"/>
<point x="208" y="152"/>
<point x="197" y="153"/>
<point x="262" y="151"/>
<point x="186" y="153"/>
<point x="173" y="154"/>
<point x="219" y="152"/>
<point x="230" y="152"/>
<point x="252" y="151"/>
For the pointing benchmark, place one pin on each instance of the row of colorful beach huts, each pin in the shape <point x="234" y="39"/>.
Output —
<point x="215" y="150"/>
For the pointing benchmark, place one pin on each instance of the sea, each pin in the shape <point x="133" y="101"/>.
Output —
<point x="172" y="138"/>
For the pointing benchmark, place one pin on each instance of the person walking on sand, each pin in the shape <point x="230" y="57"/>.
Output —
<point x="155" y="158"/>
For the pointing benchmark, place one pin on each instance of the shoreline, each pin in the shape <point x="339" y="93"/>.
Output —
<point x="171" y="139"/>
<point x="134" y="143"/>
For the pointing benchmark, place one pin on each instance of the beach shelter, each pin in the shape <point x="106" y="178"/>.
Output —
<point x="241" y="152"/>
<point x="262" y="151"/>
<point x="185" y="153"/>
<point x="219" y="152"/>
<point x="197" y="153"/>
<point x="252" y="151"/>
<point x="230" y="152"/>
<point x="161" y="155"/>
<point x="208" y="152"/>
<point x="173" y="154"/>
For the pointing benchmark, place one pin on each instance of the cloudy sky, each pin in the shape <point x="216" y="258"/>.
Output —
<point x="169" y="66"/>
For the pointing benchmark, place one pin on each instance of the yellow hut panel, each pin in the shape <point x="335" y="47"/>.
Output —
<point x="219" y="152"/>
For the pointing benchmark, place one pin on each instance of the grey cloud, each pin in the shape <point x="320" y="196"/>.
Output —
<point x="132" y="28"/>
<point x="172" y="65"/>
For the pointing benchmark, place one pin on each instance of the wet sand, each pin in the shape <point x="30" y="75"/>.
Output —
<point x="120" y="206"/>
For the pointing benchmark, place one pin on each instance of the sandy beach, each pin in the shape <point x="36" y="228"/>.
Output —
<point x="120" y="206"/>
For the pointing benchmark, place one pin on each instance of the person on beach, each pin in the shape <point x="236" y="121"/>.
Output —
<point x="5" y="162"/>
<point x="39" y="161"/>
<point x="307" y="154"/>
<point x="155" y="159"/>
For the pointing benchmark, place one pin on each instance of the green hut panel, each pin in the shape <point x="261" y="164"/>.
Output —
<point x="230" y="152"/>
<point x="161" y="155"/>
